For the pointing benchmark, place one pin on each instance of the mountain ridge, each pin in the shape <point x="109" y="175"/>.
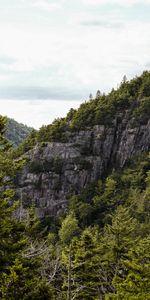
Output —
<point x="65" y="157"/>
<point x="16" y="132"/>
<point x="81" y="223"/>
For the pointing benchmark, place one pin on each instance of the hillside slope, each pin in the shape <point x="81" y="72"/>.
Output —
<point x="102" y="135"/>
<point x="16" y="132"/>
<point x="88" y="178"/>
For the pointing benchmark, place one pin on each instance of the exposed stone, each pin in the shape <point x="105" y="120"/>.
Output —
<point x="70" y="167"/>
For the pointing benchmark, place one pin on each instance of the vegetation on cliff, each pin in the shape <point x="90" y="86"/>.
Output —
<point x="131" y="96"/>
<point x="99" y="247"/>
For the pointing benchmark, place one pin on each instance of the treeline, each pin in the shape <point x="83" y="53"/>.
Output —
<point x="98" y="250"/>
<point x="132" y="96"/>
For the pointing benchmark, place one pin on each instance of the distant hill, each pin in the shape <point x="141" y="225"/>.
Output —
<point x="16" y="132"/>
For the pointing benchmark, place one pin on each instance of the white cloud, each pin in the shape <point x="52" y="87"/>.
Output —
<point x="46" y="5"/>
<point x="4" y="77"/>
<point x="19" y="66"/>
<point x="36" y="113"/>
<point x="59" y="53"/>
<point x="118" y="2"/>
<point x="78" y="57"/>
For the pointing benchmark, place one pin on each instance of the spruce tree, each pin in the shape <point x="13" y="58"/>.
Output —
<point x="135" y="282"/>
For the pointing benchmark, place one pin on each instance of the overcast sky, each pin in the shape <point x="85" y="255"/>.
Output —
<point x="54" y="53"/>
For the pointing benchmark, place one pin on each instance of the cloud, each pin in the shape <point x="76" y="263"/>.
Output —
<point x="7" y="60"/>
<point x="116" y="2"/>
<point x="36" y="113"/>
<point x="4" y="77"/>
<point x="89" y="19"/>
<point x="20" y="67"/>
<point x="36" y="92"/>
<point x="72" y="62"/>
<point x="72" y="53"/>
<point x="46" y="5"/>
<point x="98" y="23"/>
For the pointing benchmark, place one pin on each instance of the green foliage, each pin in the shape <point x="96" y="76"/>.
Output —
<point x="81" y="262"/>
<point x="22" y="247"/>
<point x="18" y="282"/>
<point x="86" y="264"/>
<point x="54" y="132"/>
<point x="83" y="116"/>
<point x="69" y="229"/>
<point x="132" y="96"/>
<point x="120" y="206"/>
<point x="100" y="249"/>
<point x="16" y="132"/>
<point x="135" y="283"/>
<point x="25" y="146"/>
<point x="54" y="164"/>
<point x="121" y="233"/>
<point x="142" y="112"/>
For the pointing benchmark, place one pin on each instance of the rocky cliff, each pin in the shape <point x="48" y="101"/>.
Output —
<point x="57" y="170"/>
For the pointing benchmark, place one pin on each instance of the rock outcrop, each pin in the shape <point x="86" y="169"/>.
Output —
<point x="57" y="170"/>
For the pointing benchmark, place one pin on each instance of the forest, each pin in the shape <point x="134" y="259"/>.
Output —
<point x="99" y="247"/>
<point x="16" y="132"/>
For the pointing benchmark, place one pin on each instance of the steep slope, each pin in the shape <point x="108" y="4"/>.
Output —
<point x="16" y="132"/>
<point x="85" y="146"/>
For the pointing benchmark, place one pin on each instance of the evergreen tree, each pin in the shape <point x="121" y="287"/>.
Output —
<point x="119" y="238"/>
<point x="98" y="94"/>
<point x="68" y="231"/>
<point x="19" y="275"/>
<point x="135" y="282"/>
<point x="87" y="271"/>
<point x="121" y="233"/>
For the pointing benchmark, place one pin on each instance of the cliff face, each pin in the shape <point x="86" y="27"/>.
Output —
<point x="57" y="170"/>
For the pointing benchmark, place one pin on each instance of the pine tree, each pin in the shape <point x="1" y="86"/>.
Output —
<point x="19" y="276"/>
<point x="119" y="238"/>
<point x="11" y="231"/>
<point x="98" y="94"/>
<point x="121" y="233"/>
<point x="86" y="263"/>
<point x="135" y="283"/>
<point x="68" y="231"/>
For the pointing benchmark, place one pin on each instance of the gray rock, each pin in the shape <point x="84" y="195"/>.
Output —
<point x="70" y="167"/>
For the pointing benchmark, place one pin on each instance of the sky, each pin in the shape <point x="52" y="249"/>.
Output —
<point x="54" y="53"/>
